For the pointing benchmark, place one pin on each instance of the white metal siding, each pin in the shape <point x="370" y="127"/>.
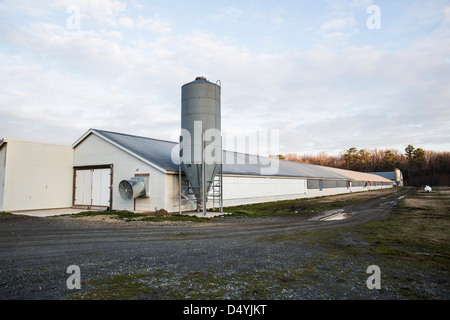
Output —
<point x="238" y="190"/>
<point x="173" y="195"/>
<point x="143" y="204"/>
<point x="94" y="150"/>
<point x="2" y="176"/>
<point x="259" y="187"/>
<point x="38" y="176"/>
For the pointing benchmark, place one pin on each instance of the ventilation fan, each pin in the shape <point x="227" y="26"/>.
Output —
<point x="132" y="188"/>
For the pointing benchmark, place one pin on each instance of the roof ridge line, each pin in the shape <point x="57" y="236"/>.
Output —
<point x="132" y="135"/>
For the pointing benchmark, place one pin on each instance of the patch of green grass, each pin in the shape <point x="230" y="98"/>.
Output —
<point x="279" y="208"/>
<point x="196" y="285"/>
<point x="412" y="232"/>
<point x="121" y="287"/>
<point x="4" y="212"/>
<point x="302" y="206"/>
<point x="175" y="217"/>
<point x="313" y="276"/>
<point x="131" y="216"/>
<point x="124" y="215"/>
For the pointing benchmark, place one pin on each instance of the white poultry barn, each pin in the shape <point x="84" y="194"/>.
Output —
<point x="118" y="171"/>
<point x="88" y="173"/>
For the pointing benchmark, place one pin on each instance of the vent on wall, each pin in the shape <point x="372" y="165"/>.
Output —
<point x="133" y="188"/>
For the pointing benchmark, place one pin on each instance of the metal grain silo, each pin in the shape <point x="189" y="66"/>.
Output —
<point x="201" y="145"/>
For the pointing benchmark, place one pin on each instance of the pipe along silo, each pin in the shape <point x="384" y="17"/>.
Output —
<point x="201" y="141"/>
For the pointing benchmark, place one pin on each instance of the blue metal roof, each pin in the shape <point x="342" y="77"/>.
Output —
<point x="387" y="174"/>
<point x="159" y="152"/>
<point x="153" y="150"/>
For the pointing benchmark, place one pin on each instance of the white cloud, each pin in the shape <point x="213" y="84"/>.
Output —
<point x="154" y="24"/>
<point x="65" y="82"/>
<point x="338" y="24"/>
<point x="226" y="15"/>
<point x="447" y="15"/>
<point x="99" y="12"/>
<point x="126" y="22"/>
<point x="277" y="16"/>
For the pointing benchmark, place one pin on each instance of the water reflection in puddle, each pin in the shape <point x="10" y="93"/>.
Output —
<point x="331" y="215"/>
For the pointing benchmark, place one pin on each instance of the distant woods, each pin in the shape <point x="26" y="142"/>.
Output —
<point x="419" y="167"/>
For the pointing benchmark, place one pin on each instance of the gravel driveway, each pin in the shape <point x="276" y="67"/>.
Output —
<point x="227" y="258"/>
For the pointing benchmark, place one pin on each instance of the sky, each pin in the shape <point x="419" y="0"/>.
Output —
<point x="325" y="76"/>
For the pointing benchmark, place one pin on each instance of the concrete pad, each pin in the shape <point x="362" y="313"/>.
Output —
<point x="48" y="212"/>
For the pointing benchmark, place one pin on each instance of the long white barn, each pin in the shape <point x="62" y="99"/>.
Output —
<point x="88" y="174"/>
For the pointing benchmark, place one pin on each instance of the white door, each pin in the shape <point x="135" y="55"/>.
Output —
<point x="101" y="183"/>
<point x="83" y="191"/>
<point x="92" y="187"/>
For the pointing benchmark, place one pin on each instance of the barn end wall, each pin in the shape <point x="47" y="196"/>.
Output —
<point x="94" y="150"/>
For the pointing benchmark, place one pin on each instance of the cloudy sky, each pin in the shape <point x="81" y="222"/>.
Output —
<point x="328" y="75"/>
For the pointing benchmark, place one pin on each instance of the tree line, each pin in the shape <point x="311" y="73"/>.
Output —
<point x="419" y="167"/>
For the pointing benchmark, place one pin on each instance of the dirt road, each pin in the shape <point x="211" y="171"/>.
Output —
<point x="227" y="258"/>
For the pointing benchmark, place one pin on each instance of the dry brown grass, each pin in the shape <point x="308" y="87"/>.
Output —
<point x="157" y="213"/>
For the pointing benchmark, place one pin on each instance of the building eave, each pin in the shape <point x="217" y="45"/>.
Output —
<point x="3" y="142"/>
<point x="98" y="134"/>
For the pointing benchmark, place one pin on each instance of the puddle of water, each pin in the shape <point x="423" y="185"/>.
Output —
<point x="340" y="216"/>
<point x="390" y="203"/>
<point x="337" y="214"/>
